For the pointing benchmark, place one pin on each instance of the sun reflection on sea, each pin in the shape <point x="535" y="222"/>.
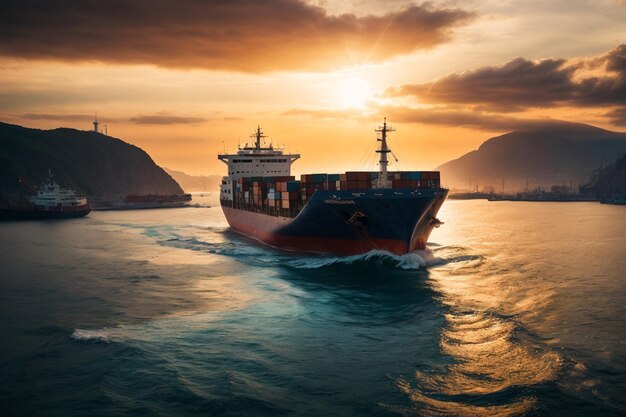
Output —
<point x="481" y="338"/>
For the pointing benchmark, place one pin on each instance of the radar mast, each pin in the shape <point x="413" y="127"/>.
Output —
<point x="383" y="180"/>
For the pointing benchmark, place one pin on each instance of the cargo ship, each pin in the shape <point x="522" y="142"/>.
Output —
<point x="345" y="214"/>
<point x="50" y="201"/>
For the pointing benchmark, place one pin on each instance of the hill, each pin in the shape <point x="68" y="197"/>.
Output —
<point x="90" y="162"/>
<point x="191" y="183"/>
<point x="608" y="182"/>
<point x="543" y="155"/>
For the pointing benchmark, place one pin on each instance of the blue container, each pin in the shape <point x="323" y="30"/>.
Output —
<point x="293" y="185"/>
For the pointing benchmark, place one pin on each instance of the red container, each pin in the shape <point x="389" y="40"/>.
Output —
<point x="357" y="176"/>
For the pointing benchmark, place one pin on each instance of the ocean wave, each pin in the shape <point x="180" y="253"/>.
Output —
<point x="258" y="254"/>
<point x="223" y="241"/>
<point x="413" y="260"/>
<point x="100" y="335"/>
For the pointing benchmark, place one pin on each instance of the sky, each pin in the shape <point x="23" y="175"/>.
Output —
<point x="187" y="79"/>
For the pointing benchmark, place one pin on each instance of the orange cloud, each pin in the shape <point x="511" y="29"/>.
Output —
<point x="62" y="117"/>
<point x="331" y="113"/>
<point x="165" y="119"/>
<point x="617" y="116"/>
<point x="441" y="116"/>
<point x="241" y="35"/>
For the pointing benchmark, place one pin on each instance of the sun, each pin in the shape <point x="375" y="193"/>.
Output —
<point x="354" y="92"/>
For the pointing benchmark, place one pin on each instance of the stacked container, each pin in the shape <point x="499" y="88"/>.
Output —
<point x="283" y="195"/>
<point x="357" y="180"/>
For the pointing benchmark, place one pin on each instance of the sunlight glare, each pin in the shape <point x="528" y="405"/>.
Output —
<point x="354" y="92"/>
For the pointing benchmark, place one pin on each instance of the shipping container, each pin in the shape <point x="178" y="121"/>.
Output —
<point x="293" y="185"/>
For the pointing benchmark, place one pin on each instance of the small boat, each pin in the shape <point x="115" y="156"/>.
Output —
<point x="50" y="201"/>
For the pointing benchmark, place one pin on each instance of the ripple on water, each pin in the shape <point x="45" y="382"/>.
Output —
<point x="489" y="369"/>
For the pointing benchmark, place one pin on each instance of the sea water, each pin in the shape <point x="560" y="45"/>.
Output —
<point x="515" y="309"/>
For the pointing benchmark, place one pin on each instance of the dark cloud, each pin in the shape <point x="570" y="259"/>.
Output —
<point x="163" y="119"/>
<point x="522" y="83"/>
<point x="243" y="35"/>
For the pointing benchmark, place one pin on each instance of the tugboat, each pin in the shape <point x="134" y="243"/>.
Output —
<point x="349" y="213"/>
<point x="49" y="202"/>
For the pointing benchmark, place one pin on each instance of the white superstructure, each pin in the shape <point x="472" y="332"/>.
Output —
<point x="254" y="161"/>
<point x="50" y="194"/>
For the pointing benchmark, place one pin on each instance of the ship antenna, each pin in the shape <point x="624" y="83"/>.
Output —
<point x="258" y="135"/>
<point x="95" y="123"/>
<point x="383" y="180"/>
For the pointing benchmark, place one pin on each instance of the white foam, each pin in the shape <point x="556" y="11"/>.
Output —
<point x="100" y="335"/>
<point x="413" y="260"/>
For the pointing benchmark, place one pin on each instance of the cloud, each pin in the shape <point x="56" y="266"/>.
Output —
<point x="329" y="113"/>
<point x="164" y="119"/>
<point x="617" y="116"/>
<point x="521" y="84"/>
<point x="241" y="35"/>
<point x="442" y="116"/>
<point x="463" y="118"/>
<point x="60" y="117"/>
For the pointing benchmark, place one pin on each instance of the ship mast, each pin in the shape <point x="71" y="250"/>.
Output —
<point x="258" y="135"/>
<point x="383" y="180"/>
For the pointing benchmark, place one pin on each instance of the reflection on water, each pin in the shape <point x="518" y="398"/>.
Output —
<point x="486" y="357"/>
<point x="486" y="360"/>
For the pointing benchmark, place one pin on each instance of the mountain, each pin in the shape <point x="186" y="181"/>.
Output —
<point x="191" y="183"/>
<point x="90" y="162"/>
<point x="542" y="155"/>
<point x="608" y="182"/>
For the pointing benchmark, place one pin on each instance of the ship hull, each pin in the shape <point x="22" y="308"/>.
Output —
<point x="40" y="213"/>
<point x="348" y="222"/>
